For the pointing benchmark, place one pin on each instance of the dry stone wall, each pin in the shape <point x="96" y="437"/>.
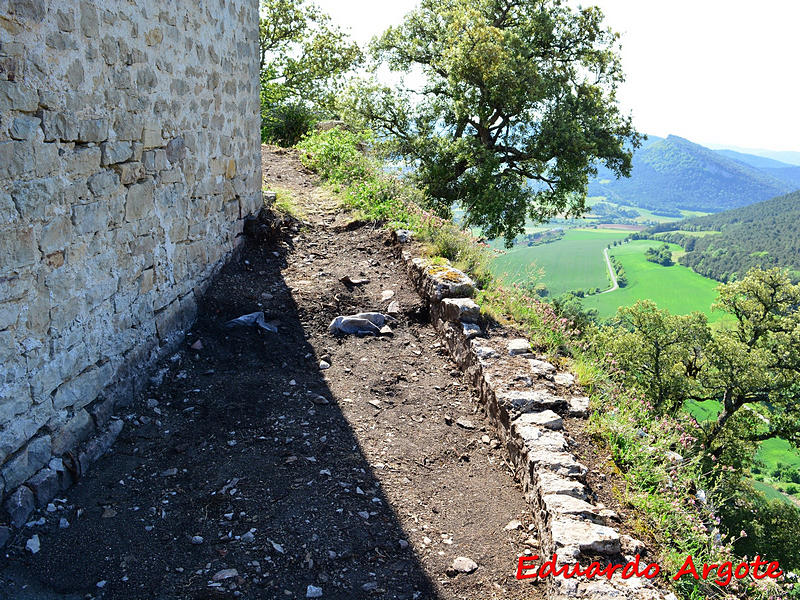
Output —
<point x="526" y="398"/>
<point x="129" y="152"/>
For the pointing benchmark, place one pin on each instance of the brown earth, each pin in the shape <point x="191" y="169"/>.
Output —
<point x="355" y="479"/>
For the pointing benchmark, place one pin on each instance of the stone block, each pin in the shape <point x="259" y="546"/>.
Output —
<point x="44" y="485"/>
<point x="99" y="445"/>
<point x="537" y="438"/>
<point x="541" y="368"/>
<point x="139" y="201"/>
<point x="5" y="535"/>
<point x="83" y="389"/>
<point x="47" y="159"/>
<point x="59" y="126"/>
<point x="151" y="137"/>
<point x="32" y="458"/>
<point x="546" y="418"/>
<point x="33" y="198"/>
<point x="519" y="402"/>
<point x="551" y="483"/>
<point x="16" y="159"/>
<point x="17" y="96"/>
<point x="76" y="430"/>
<point x="130" y="172"/>
<point x="104" y="183"/>
<point x="90" y="218"/>
<point x="155" y="160"/>
<point x="17" y="249"/>
<point x="15" y="399"/>
<point x="578" y="406"/>
<point x="90" y="24"/>
<point x="24" y="128"/>
<point x="93" y="130"/>
<point x="563" y="504"/>
<point x="519" y="346"/>
<point x="20" y="505"/>
<point x="82" y="161"/>
<point x="560" y="463"/>
<point x="115" y="152"/>
<point x="585" y="536"/>
<point x="128" y="126"/>
<point x="55" y="235"/>
<point x="460" y="309"/>
<point x="31" y="10"/>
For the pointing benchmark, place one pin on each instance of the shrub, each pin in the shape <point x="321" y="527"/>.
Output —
<point x="285" y="124"/>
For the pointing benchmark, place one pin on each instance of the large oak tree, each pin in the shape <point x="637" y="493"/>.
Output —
<point x="517" y="106"/>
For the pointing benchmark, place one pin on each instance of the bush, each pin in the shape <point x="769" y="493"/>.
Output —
<point x="337" y="155"/>
<point x="286" y="124"/>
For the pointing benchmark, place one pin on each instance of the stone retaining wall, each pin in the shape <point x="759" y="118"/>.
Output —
<point x="129" y="152"/>
<point x="526" y="397"/>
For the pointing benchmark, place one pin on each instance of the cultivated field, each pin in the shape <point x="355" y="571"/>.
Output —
<point x="676" y="288"/>
<point x="574" y="262"/>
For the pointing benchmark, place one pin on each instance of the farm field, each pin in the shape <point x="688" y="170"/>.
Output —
<point x="646" y="216"/>
<point x="573" y="262"/>
<point x="676" y="288"/>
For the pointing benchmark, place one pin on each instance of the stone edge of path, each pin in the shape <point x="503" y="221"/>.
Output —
<point x="525" y="397"/>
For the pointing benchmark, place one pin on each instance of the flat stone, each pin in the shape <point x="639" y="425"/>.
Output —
<point x="225" y="574"/>
<point x="26" y="463"/>
<point x="584" y="535"/>
<point x="560" y="463"/>
<point x="24" y="128"/>
<point x="483" y="352"/>
<point x="20" y="505"/>
<point x="33" y="544"/>
<point x="115" y="152"/>
<point x="538" y="438"/>
<point x="403" y="236"/>
<point x="541" y="368"/>
<point x="444" y="281"/>
<point x="563" y="504"/>
<point x="578" y="406"/>
<point x="465" y="423"/>
<point x="545" y="418"/>
<point x="313" y="591"/>
<point x="549" y="483"/>
<point x="463" y="564"/>
<point x="460" y="309"/>
<point x="519" y="346"/>
<point x="565" y="379"/>
<point x="471" y="330"/>
<point x="524" y="401"/>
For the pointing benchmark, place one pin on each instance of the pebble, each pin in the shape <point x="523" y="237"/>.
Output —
<point x="63" y="523"/>
<point x="387" y="295"/>
<point x="33" y="544"/>
<point x="101" y="584"/>
<point x="225" y="574"/>
<point x="248" y="537"/>
<point x="197" y="540"/>
<point x="313" y="591"/>
<point x="363" y="514"/>
<point x="403" y="544"/>
<point x="512" y="525"/>
<point x="465" y="423"/>
<point x="323" y="364"/>
<point x="463" y="564"/>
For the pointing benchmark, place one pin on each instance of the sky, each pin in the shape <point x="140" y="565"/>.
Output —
<point x="718" y="72"/>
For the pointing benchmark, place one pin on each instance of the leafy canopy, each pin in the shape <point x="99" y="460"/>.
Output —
<point x="518" y="104"/>
<point x="304" y="58"/>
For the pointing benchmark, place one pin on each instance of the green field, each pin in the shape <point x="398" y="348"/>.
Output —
<point x="676" y="288"/>
<point x="573" y="262"/>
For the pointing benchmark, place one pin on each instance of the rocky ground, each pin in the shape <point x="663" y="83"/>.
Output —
<point x="292" y="464"/>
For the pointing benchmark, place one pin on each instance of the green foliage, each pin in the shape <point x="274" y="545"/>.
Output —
<point x="761" y="235"/>
<point x="661" y="255"/>
<point x="337" y="155"/>
<point x="501" y="126"/>
<point x="286" y="123"/>
<point x="303" y="61"/>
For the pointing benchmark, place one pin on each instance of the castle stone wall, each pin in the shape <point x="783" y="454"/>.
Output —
<point x="129" y="152"/>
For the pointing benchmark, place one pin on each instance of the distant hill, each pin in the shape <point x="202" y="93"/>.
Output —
<point x="784" y="156"/>
<point x="673" y="173"/>
<point x="765" y="234"/>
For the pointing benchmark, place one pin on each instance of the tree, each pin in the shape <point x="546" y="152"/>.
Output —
<point x="518" y="106"/>
<point x="757" y="363"/>
<point x="303" y="60"/>
<point x="657" y="350"/>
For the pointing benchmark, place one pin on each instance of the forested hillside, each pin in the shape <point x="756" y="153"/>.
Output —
<point x="765" y="234"/>
<point x="674" y="173"/>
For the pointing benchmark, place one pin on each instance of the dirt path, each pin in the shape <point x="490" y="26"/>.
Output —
<point x="611" y="273"/>
<point x="251" y="472"/>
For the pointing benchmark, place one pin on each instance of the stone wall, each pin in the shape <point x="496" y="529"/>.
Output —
<point x="129" y="152"/>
